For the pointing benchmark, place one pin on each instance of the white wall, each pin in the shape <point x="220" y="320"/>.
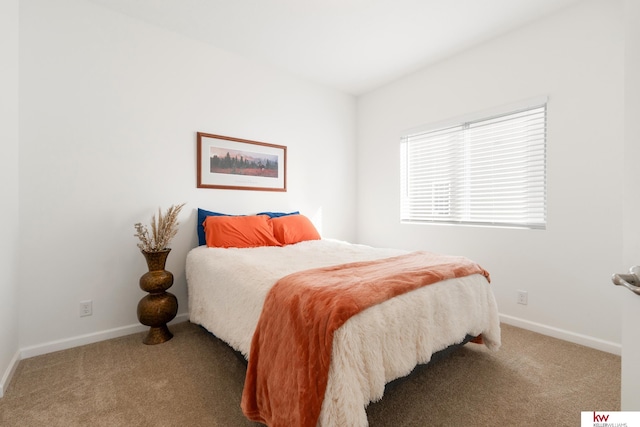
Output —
<point x="109" y="110"/>
<point x="575" y="57"/>
<point x="9" y="187"/>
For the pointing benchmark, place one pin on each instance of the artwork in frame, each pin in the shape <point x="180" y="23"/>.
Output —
<point x="240" y="164"/>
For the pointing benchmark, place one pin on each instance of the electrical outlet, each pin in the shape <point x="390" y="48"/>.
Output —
<point x="523" y="297"/>
<point x="86" y="308"/>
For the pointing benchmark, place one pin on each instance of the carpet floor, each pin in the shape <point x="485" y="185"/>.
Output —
<point x="196" y="380"/>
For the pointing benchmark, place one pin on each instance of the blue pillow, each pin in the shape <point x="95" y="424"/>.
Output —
<point x="278" y="214"/>
<point x="202" y="215"/>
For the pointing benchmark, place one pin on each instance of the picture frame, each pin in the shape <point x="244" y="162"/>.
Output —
<point x="240" y="164"/>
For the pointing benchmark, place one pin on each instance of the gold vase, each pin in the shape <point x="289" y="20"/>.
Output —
<point x="159" y="307"/>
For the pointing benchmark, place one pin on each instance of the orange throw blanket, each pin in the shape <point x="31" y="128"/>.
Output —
<point x="291" y="348"/>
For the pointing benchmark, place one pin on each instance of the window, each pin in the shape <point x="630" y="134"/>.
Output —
<point x="489" y="171"/>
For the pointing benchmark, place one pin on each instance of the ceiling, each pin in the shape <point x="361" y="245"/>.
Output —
<point x="351" y="45"/>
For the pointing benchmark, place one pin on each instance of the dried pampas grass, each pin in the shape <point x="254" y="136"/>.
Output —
<point x="162" y="230"/>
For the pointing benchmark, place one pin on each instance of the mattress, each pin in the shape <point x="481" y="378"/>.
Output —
<point x="227" y="288"/>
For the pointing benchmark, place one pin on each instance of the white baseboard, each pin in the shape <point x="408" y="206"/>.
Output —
<point x="77" y="341"/>
<point x="50" y="347"/>
<point x="11" y="369"/>
<point x="587" y="341"/>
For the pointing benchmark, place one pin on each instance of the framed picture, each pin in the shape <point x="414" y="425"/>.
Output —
<point x="240" y="164"/>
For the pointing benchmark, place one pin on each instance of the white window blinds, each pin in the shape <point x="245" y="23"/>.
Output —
<point x="485" y="172"/>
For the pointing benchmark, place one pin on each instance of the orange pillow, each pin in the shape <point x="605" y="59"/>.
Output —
<point x="292" y="229"/>
<point x="239" y="231"/>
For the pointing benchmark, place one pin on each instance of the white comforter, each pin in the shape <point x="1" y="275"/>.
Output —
<point x="227" y="288"/>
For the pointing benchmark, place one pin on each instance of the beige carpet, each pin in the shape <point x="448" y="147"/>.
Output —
<point x="196" y="380"/>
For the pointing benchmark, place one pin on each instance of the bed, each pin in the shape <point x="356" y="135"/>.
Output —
<point x="228" y="287"/>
